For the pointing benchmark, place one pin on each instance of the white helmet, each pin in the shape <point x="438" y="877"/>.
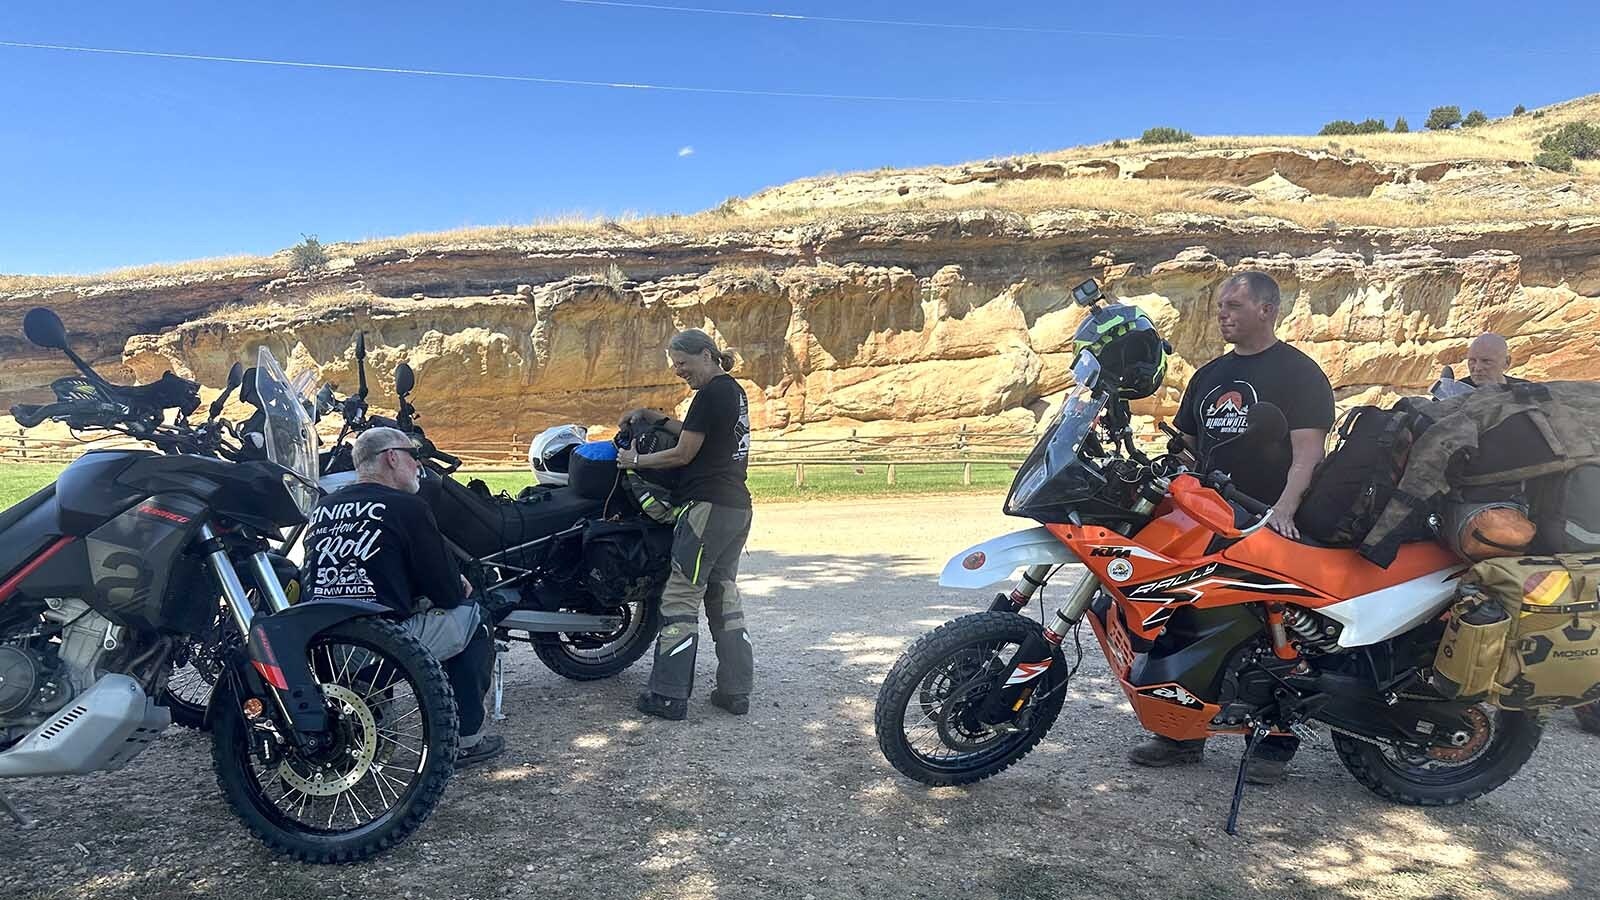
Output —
<point x="549" y="452"/>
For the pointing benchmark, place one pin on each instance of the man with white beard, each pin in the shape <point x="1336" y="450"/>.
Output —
<point x="377" y="541"/>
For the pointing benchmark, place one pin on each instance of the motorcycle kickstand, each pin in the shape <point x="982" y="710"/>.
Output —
<point x="500" y="650"/>
<point x="23" y="822"/>
<point x="1250" y="743"/>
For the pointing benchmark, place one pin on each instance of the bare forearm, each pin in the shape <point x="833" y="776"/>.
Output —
<point x="666" y="459"/>
<point x="1294" y="488"/>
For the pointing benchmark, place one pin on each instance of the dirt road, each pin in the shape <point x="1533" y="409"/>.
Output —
<point x="795" y="801"/>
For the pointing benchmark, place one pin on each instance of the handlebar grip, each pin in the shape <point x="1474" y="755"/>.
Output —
<point x="1250" y="504"/>
<point x="28" y="414"/>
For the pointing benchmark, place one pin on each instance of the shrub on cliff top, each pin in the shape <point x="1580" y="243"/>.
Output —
<point x="1401" y="126"/>
<point x="308" y="254"/>
<point x="1580" y="140"/>
<point x="1163" y="134"/>
<point x="1345" y="126"/>
<point x="1474" y="119"/>
<point x="1554" y="160"/>
<point x="1443" y="117"/>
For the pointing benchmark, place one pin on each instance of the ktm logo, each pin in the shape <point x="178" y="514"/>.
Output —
<point x="1116" y="552"/>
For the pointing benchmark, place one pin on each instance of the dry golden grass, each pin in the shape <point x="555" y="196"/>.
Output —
<point x="255" y="313"/>
<point x="1510" y="138"/>
<point x="216" y="265"/>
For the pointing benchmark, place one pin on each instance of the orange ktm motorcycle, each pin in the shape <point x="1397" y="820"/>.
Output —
<point x="1211" y="623"/>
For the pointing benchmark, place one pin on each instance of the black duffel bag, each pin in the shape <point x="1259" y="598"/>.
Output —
<point x="1352" y="485"/>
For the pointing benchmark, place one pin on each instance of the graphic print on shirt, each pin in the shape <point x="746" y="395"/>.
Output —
<point x="741" y="430"/>
<point x="345" y="536"/>
<point x="1225" y="408"/>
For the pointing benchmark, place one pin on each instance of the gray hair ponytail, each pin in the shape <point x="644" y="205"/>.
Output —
<point x="693" y="341"/>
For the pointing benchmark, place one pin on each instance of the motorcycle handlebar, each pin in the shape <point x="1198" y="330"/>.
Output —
<point x="1250" y="504"/>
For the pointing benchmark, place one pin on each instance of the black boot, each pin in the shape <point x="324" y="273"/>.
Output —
<point x="733" y="704"/>
<point x="652" y="704"/>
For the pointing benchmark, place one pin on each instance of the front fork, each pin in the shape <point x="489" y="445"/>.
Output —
<point x="1021" y="677"/>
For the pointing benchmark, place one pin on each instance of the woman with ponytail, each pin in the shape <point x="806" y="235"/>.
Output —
<point x="713" y="506"/>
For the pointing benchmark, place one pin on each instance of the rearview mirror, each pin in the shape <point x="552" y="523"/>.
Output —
<point x="235" y="378"/>
<point x="404" y="379"/>
<point x="1265" y="423"/>
<point x="361" y="345"/>
<point x="43" y="328"/>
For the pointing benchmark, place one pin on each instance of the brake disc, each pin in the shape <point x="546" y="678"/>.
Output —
<point x="360" y="733"/>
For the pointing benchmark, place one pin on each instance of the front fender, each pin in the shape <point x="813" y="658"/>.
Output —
<point x="998" y="559"/>
<point x="277" y="649"/>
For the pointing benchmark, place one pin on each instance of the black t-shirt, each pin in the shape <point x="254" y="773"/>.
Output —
<point x="1219" y="397"/>
<point x="721" y="412"/>
<point x="372" y="542"/>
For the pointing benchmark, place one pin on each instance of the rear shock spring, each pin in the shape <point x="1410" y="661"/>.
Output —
<point x="1314" y="634"/>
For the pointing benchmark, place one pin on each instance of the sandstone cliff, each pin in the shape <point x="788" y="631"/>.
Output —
<point x="919" y="316"/>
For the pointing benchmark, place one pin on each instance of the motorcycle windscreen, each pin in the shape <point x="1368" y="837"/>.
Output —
<point x="1054" y="476"/>
<point x="291" y="437"/>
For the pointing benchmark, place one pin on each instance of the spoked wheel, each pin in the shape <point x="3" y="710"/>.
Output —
<point x="926" y="722"/>
<point x="589" y="656"/>
<point x="391" y="748"/>
<point x="194" y="675"/>
<point x="1589" y="717"/>
<point x="1493" y="747"/>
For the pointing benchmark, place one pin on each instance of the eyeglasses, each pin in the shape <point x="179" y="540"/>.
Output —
<point x="413" y="452"/>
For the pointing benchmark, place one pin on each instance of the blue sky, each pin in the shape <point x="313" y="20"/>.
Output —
<point x="120" y="160"/>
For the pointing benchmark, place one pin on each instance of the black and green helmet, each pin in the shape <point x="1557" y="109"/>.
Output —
<point x="1127" y="346"/>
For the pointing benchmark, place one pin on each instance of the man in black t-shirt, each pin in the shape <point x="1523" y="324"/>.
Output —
<point x="714" y="515"/>
<point x="1260" y="369"/>
<point x="377" y="541"/>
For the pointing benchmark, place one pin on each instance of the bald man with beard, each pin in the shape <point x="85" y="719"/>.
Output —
<point x="1488" y="358"/>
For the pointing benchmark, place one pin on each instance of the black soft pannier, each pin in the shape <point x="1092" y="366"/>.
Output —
<point x="1353" y="484"/>
<point x="625" y="562"/>
<point x="482" y="523"/>
<point x="1566" y="508"/>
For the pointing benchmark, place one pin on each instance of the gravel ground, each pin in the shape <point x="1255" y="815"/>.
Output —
<point x="795" y="801"/>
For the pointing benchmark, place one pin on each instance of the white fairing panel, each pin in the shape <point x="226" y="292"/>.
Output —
<point x="1380" y="615"/>
<point x="1001" y="557"/>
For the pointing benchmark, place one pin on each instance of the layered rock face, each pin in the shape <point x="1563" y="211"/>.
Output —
<point x="898" y="322"/>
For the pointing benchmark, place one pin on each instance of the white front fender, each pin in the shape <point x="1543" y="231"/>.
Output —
<point x="998" y="559"/>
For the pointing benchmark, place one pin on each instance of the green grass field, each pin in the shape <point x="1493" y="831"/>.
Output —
<point x="18" y="480"/>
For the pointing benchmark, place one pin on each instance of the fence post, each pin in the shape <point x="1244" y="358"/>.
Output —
<point x="799" y="475"/>
<point x="966" y="473"/>
<point x="891" y="473"/>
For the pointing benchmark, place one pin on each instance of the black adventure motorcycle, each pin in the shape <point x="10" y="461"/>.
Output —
<point x="577" y="578"/>
<point x="334" y="732"/>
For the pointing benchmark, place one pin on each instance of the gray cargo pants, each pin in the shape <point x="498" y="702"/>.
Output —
<point x="705" y="564"/>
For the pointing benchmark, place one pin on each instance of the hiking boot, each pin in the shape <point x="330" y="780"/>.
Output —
<point x="1266" y="771"/>
<point x="736" y="705"/>
<point x="487" y="748"/>
<point x="1159" y="752"/>
<point x="653" y="704"/>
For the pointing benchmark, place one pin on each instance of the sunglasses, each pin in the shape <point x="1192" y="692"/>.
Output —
<point x="413" y="452"/>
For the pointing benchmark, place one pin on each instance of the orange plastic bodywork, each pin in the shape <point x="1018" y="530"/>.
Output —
<point x="1182" y="557"/>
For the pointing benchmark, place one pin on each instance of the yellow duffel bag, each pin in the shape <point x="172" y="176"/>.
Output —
<point x="1551" y="656"/>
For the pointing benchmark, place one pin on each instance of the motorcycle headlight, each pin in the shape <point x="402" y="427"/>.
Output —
<point x="1030" y="480"/>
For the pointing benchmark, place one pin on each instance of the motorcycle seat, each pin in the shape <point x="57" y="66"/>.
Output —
<point x="1339" y="572"/>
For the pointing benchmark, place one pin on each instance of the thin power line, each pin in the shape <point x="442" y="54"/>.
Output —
<point x="908" y="23"/>
<point x="530" y="79"/>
